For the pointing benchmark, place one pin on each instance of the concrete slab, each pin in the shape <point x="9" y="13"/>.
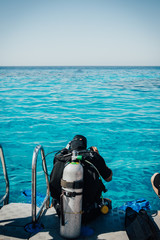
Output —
<point x="105" y="227"/>
<point x="50" y="220"/>
<point x="15" y="216"/>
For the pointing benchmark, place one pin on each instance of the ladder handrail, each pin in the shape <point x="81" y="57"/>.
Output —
<point x="47" y="198"/>
<point x="5" y="198"/>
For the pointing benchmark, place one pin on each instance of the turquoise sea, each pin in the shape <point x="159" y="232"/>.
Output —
<point x="116" y="108"/>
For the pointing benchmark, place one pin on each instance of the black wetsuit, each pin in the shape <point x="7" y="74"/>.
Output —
<point x="93" y="186"/>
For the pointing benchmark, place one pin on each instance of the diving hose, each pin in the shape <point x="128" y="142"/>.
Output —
<point x="104" y="208"/>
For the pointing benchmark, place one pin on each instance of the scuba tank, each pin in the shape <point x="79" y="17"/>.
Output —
<point x="71" y="198"/>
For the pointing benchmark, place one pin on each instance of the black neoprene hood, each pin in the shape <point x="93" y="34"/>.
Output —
<point x="79" y="142"/>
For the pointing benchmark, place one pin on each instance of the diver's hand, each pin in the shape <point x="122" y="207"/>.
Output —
<point x="95" y="149"/>
<point x="109" y="178"/>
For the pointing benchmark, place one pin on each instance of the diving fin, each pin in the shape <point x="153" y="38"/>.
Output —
<point x="137" y="225"/>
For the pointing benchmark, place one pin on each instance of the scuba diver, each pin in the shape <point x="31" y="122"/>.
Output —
<point x="94" y="168"/>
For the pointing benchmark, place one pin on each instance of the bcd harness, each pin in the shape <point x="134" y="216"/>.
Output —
<point x="61" y="160"/>
<point x="78" y="184"/>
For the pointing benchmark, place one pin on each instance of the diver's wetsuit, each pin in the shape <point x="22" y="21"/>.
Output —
<point x="93" y="186"/>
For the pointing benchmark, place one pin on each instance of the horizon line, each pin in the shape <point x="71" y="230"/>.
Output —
<point x="80" y="66"/>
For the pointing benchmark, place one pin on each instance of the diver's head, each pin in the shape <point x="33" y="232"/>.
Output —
<point x="79" y="142"/>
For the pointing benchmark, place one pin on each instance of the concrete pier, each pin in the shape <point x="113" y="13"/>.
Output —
<point x="15" y="216"/>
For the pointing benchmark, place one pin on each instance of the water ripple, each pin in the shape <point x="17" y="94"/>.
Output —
<point x="117" y="108"/>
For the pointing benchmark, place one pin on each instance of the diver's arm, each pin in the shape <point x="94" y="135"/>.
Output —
<point x="102" y="167"/>
<point x="109" y="178"/>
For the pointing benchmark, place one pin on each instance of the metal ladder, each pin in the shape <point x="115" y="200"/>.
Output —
<point x="35" y="217"/>
<point x="5" y="198"/>
<point x="46" y="202"/>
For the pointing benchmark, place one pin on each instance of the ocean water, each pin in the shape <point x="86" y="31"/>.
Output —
<point x="116" y="108"/>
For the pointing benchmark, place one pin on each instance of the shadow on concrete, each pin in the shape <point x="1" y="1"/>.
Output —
<point x="110" y="226"/>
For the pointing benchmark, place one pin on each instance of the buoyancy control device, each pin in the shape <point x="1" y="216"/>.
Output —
<point x="71" y="198"/>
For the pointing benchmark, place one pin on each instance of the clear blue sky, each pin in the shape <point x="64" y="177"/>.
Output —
<point x="79" y="32"/>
